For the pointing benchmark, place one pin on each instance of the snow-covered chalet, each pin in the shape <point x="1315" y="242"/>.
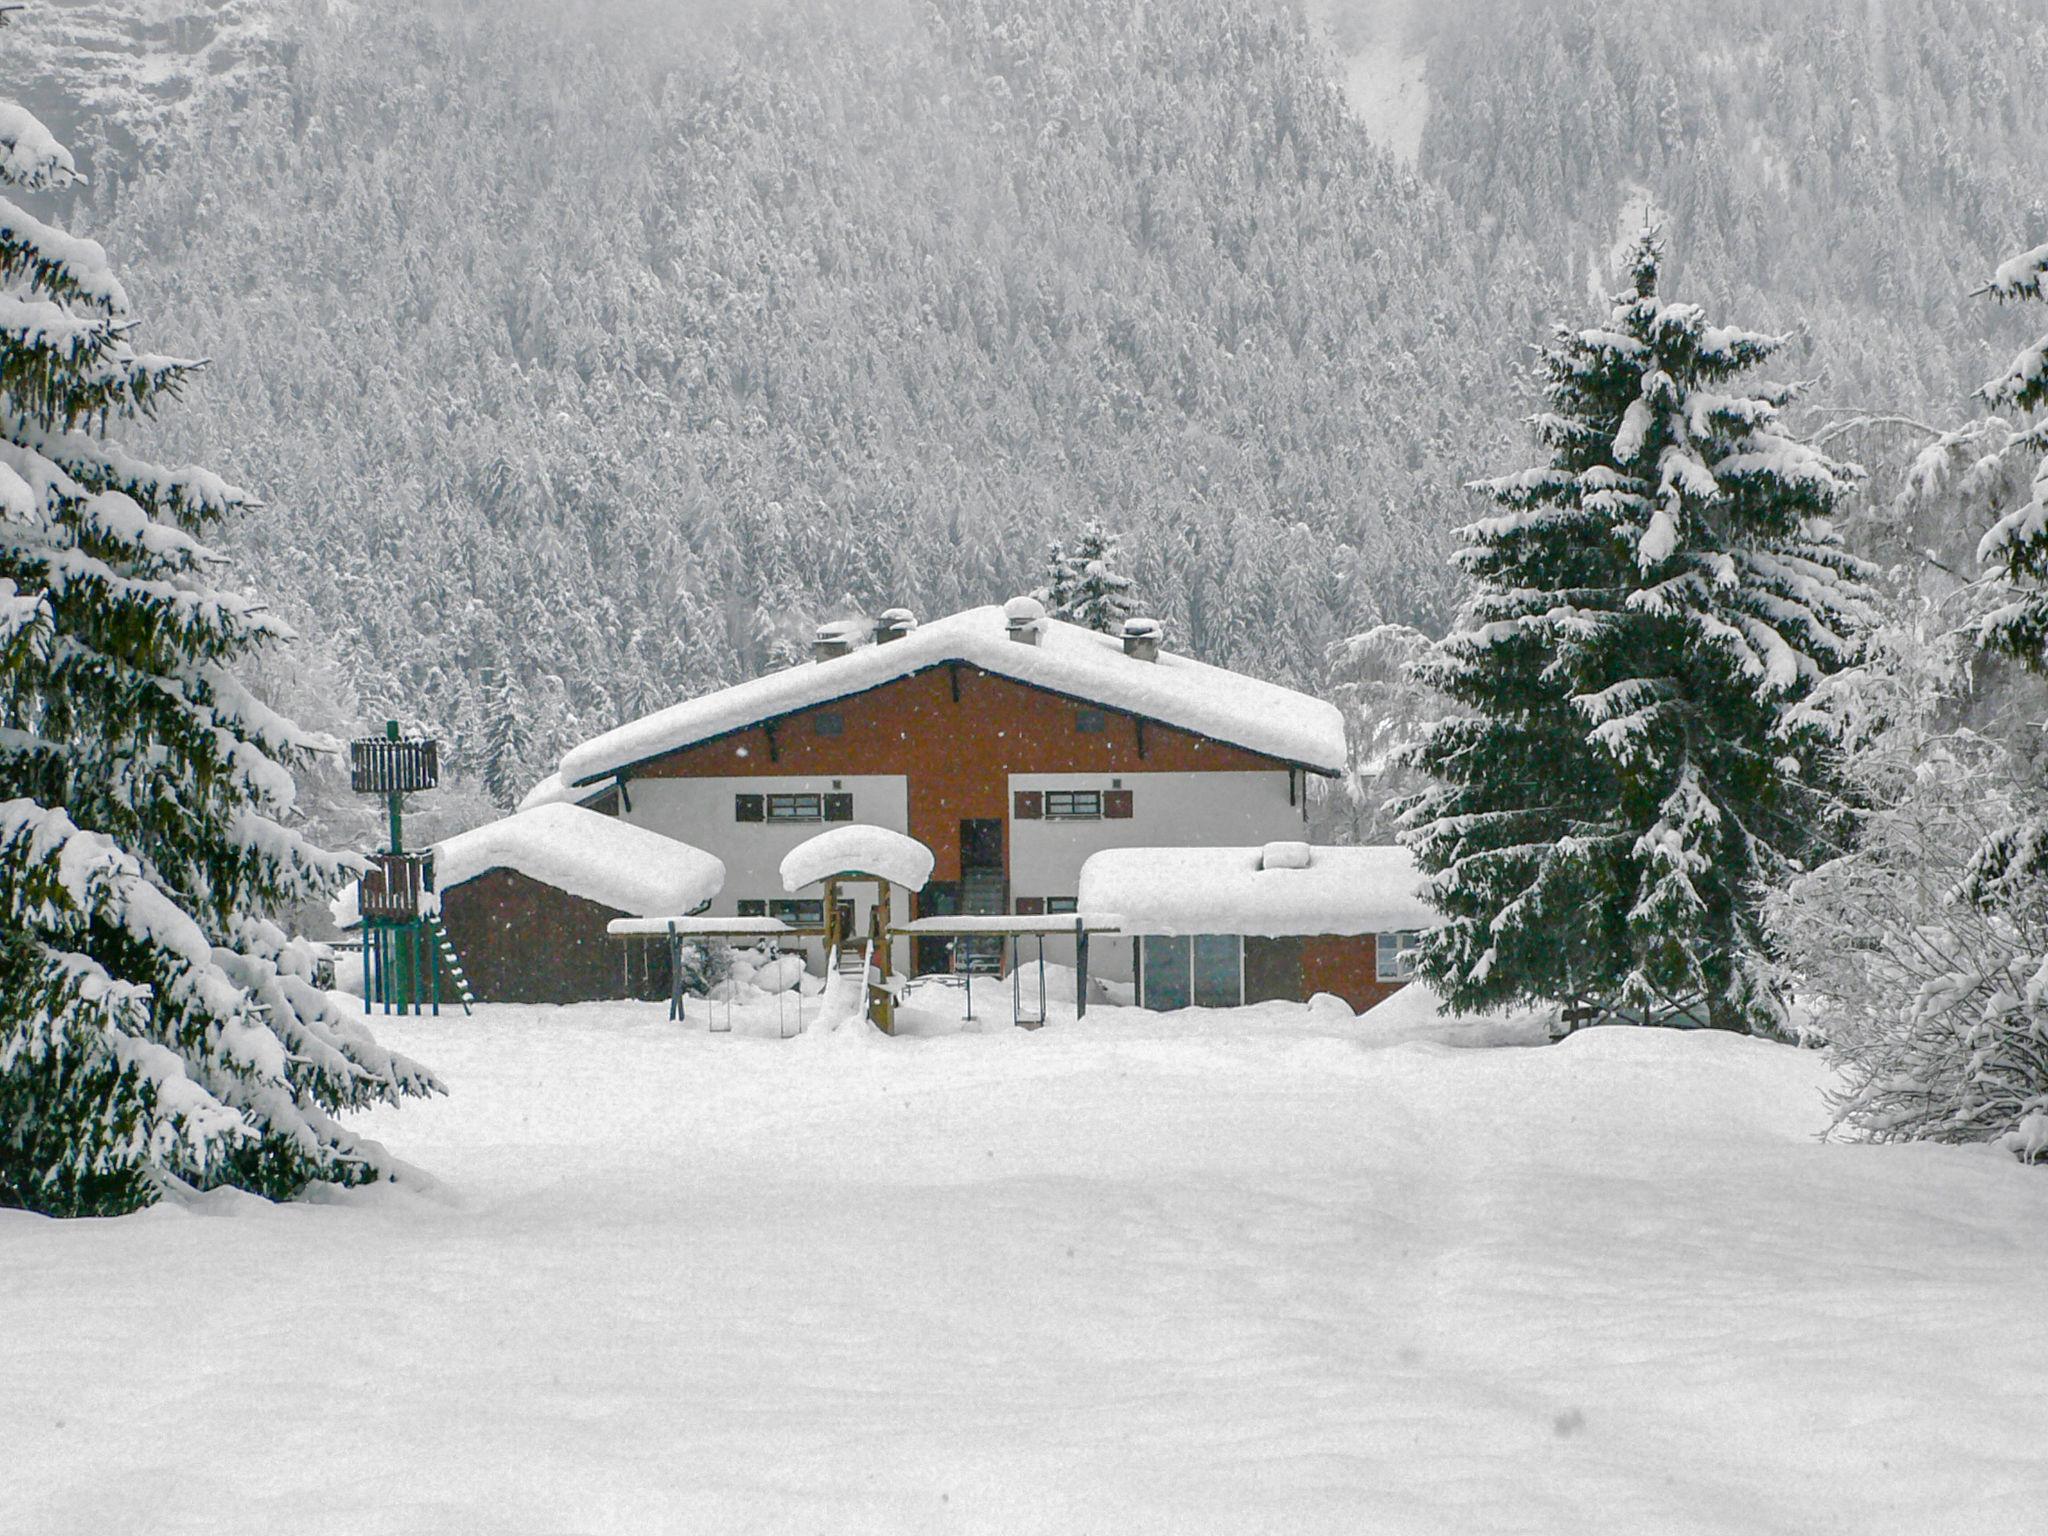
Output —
<point x="1012" y="745"/>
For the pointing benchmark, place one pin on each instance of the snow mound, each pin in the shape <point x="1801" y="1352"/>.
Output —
<point x="858" y="850"/>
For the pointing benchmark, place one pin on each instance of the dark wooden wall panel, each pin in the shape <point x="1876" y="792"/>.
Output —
<point x="522" y="941"/>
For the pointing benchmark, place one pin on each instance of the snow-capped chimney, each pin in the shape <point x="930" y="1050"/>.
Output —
<point x="1024" y="617"/>
<point x="1142" y="637"/>
<point x="894" y="624"/>
<point x="828" y="641"/>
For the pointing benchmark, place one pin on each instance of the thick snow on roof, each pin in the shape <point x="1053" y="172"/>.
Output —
<point x="1174" y="690"/>
<point x="858" y="849"/>
<point x="599" y="858"/>
<point x="1239" y="890"/>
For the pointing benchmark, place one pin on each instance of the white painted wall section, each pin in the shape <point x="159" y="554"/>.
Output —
<point x="701" y="812"/>
<point x="1167" y="810"/>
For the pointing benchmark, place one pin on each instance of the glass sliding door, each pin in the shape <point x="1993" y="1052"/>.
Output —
<point x="1164" y="973"/>
<point x="1218" y="970"/>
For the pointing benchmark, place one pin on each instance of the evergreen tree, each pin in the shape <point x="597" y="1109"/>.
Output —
<point x="507" y="741"/>
<point x="1085" y="585"/>
<point x="1651" y="605"/>
<point x="155" y="1026"/>
<point x="2018" y="541"/>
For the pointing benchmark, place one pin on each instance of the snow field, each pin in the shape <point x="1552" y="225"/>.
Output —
<point x="1251" y="1270"/>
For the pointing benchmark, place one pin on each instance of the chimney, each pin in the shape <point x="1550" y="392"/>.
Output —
<point x="894" y="624"/>
<point x="1024" y="618"/>
<point x="828" y="641"/>
<point x="1141" y="638"/>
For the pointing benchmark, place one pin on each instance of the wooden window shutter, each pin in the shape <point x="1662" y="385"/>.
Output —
<point x="1031" y="906"/>
<point x="1030" y="805"/>
<point x="749" y="808"/>
<point x="839" y="807"/>
<point x="1116" y="804"/>
<point x="752" y="908"/>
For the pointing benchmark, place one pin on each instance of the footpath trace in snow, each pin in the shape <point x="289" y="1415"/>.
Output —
<point x="1273" y="1269"/>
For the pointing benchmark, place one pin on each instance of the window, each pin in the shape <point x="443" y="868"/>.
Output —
<point x="1397" y="955"/>
<point x="799" y="914"/>
<point x="796" y="808"/>
<point x="1089" y="722"/>
<point x="753" y="908"/>
<point x="1073" y="805"/>
<point x="828" y="722"/>
<point x="1055" y="905"/>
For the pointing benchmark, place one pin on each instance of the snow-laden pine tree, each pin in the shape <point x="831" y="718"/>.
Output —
<point x="156" y="1027"/>
<point x="1649" y="607"/>
<point x="1085" y="583"/>
<point x="507" y="740"/>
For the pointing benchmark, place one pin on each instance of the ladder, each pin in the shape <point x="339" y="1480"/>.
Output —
<point x="450" y="962"/>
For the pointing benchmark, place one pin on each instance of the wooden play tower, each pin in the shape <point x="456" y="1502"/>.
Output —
<point x="407" y="958"/>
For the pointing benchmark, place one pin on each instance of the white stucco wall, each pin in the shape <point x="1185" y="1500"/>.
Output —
<point x="1167" y="810"/>
<point x="700" y="812"/>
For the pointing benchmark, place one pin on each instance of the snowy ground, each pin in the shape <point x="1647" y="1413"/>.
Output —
<point x="1248" y="1271"/>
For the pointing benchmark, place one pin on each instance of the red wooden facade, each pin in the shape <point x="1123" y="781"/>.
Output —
<point x="955" y="734"/>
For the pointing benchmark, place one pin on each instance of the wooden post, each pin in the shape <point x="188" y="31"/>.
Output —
<point x="1080" y="970"/>
<point x="884" y="1001"/>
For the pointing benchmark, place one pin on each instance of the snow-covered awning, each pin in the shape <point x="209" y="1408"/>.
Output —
<point x="1001" y="924"/>
<point x="599" y="858"/>
<point x="701" y="927"/>
<point x="858" y="850"/>
<point x="1277" y="891"/>
<point x="1066" y="658"/>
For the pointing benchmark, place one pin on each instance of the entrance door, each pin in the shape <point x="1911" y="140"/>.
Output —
<point x="984" y="890"/>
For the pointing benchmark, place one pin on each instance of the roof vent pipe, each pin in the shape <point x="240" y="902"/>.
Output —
<point x="894" y="624"/>
<point x="1024" y="619"/>
<point x="828" y="641"/>
<point x="1142" y="637"/>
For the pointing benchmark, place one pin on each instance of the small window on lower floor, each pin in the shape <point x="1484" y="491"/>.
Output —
<point x="1073" y="805"/>
<point x="1397" y="953"/>
<point x="796" y="808"/>
<point x="798" y="914"/>
<point x="1055" y="905"/>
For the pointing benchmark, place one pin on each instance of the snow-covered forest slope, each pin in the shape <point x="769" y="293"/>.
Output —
<point x="585" y="356"/>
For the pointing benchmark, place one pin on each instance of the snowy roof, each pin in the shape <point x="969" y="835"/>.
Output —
<point x="857" y="849"/>
<point x="1174" y="690"/>
<point x="552" y="791"/>
<point x="1248" y="891"/>
<point x="599" y="858"/>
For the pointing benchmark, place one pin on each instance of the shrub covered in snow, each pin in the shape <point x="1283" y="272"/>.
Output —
<point x="1919" y="950"/>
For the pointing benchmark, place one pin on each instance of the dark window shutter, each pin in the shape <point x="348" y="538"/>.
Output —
<point x="753" y="908"/>
<point x="839" y="807"/>
<point x="1030" y="805"/>
<point x="1116" y="804"/>
<point x="749" y="808"/>
<point x="1031" y="906"/>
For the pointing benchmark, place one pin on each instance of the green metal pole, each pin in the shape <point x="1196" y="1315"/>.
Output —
<point x="394" y="799"/>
